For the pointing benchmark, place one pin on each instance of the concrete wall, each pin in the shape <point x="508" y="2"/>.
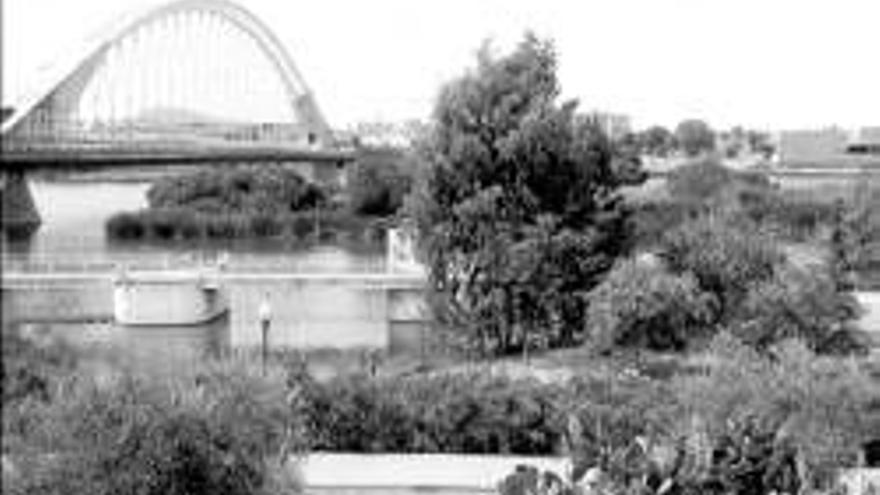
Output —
<point x="58" y="303"/>
<point x="811" y="145"/>
<point x="406" y="473"/>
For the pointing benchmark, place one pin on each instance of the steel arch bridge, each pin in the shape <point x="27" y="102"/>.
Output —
<point x="108" y="103"/>
<point x="95" y="100"/>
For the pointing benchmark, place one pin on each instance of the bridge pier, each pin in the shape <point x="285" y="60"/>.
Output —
<point x="19" y="214"/>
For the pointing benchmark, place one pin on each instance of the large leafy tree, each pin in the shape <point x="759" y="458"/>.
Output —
<point x="657" y="141"/>
<point x="518" y="213"/>
<point x="695" y="137"/>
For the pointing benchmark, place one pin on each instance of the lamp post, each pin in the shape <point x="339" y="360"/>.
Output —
<point x="265" y="314"/>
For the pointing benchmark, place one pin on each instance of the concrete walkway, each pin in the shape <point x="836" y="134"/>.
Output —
<point x="871" y="319"/>
<point x="450" y="473"/>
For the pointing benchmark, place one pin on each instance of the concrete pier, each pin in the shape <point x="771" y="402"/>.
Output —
<point x="19" y="211"/>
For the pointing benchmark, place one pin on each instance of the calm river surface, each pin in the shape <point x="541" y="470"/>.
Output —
<point x="305" y="314"/>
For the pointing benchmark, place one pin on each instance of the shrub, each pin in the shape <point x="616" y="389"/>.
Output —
<point x="31" y="370"/>
<point x="245" y="189"/>
<point x="725" y="256"/>
<point x="162" y="224"/>
<point x="379" y="180"/>
<point x="782" y="422"/>
<point x="798" y="217"/>
<point x="227" y="226"/>
<point x="699" y="181"/>
<point x="265" y="225"/>
<point x="301" y="225"/>
<point x="654" y="219"/>
<point x="803" y="305"/>
<point x="125" y="226"/>
<point x="450" y="414"/>
<point x="643" y="306"/>
<point x="134" y="436"/>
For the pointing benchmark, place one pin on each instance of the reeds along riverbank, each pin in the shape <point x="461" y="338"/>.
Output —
<point x="168" y="225"/>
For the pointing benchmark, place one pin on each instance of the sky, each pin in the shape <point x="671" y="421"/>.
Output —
<point x="766" y="64"/>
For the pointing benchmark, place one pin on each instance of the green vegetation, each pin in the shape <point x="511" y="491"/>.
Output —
<point x="222" y="429"/>
<point x="222" y="204"/>
<point x="702" y="356"/>
<point x="183" y="225"/>
<point x="379" y="181"/>
<point x="745" y="424"/>
<point x="695" y="137"/>
<point x="262" y="189"/>
<point x="519" y="213"/>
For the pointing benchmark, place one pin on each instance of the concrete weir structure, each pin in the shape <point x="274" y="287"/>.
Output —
<point x="168" y="298"/>
<point x="19" y="215"/>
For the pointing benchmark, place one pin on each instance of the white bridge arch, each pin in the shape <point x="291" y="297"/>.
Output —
<point x="66" y="81"/>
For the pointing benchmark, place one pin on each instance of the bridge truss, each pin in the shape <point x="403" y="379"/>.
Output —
<point x="157" y="79"/>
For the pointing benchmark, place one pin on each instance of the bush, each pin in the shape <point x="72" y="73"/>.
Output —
<point x="31" y="370"/>
<point x="725" y="256"/>
<point x="245" y="189"/>
<point x="796" y="216"/>
<point x="264" y="225"/>
<point x="448" y="414"/>
<point x="125" y="226"/>
<point x="302" y="225"/>
<point x="699" y="181"/>
<point x="134" y="436"/>
<point x="226" y="226"/>
<point x="379" y="180"/>
<point x="652" y="220"/>
<point x="641" y="305"/>
<point x="783" y="422"/>
<point x="798" y="304"/>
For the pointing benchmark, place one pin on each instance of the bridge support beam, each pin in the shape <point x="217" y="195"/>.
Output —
<point x="20" y="217"/>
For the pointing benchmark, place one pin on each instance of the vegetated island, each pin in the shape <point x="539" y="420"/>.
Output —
<point x="235" y="202"/>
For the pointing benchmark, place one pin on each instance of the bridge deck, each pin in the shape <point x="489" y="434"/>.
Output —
<point x="14" y="158"/>
<point x="387" y="280"/>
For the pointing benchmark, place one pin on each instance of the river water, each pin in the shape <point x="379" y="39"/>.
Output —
<point x="311" y="315"/>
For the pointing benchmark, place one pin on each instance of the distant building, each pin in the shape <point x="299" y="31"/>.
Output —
<point x="827" y="144"/>
<point x="812" y="145"/>
<point x="865" y="141"/>
<point x="389" y="134"/>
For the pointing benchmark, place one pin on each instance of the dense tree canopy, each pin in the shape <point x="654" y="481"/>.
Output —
<point x="263" y="189"/>
<point x="695" y="137"/>
<point x="379" y="180"/>
<point x="519" y="213"/>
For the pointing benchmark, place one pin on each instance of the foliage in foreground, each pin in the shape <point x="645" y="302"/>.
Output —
<point x="443" y="414"/>
<point x="519" y="214"/>
<point x="219" y="433"/>
<point x="750" y="424"/>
